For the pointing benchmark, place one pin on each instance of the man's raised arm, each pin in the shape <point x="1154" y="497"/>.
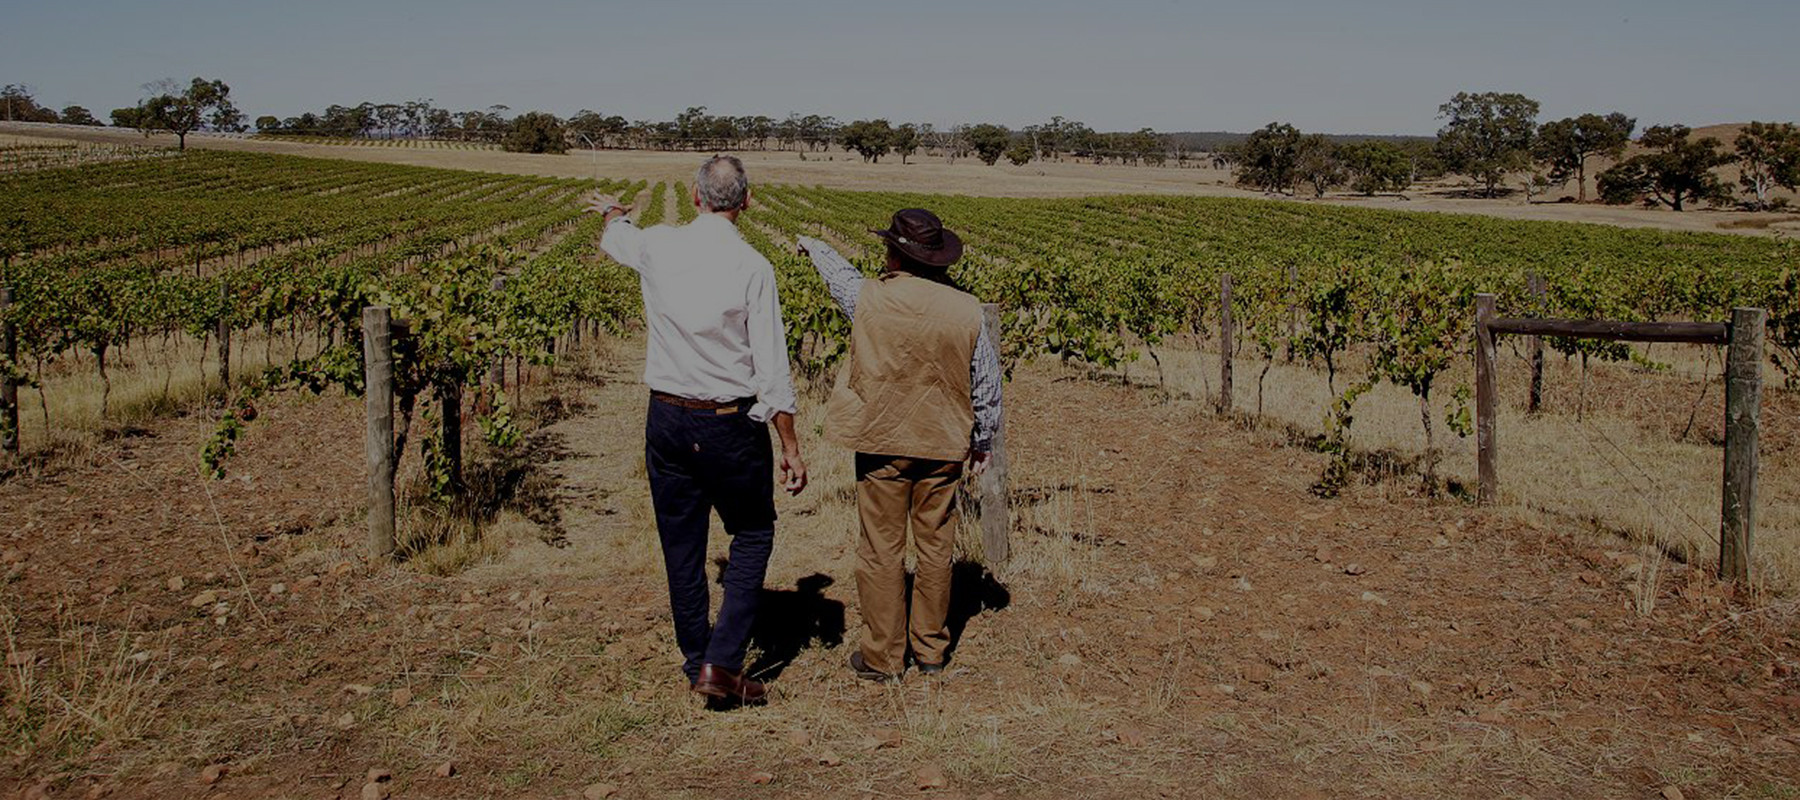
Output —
<point x="619" y="238"/>
<point x="841" y="277"/>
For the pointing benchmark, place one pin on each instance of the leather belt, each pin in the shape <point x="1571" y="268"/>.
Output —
<point x="726" y="407"/>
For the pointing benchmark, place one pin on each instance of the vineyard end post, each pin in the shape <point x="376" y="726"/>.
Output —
<point x="378" y="399"/>
<point x="1225" y="343"/>
<point x="450" y="395"/>
<point x="996" y="515"/>
<point x="9" y="387"/>
<point x="224" y="337"/>
<point x="1743" y="412"/>
<point x="1488" y="483"/>
<point x="1535" y="285"/>
<point x="496" y="377"/>
<point x="1293" y="279"/>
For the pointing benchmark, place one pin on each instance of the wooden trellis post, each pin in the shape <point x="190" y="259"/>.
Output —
<point x="1743" y="413"/>
<point x="1225" y="343"/>
<point x="450" y="405"/>
<point x="1535" y="285"/>
<point x="496" y="376"/>
<point x="1293" y="309"/>
<point x="224" y="336"/>
<point x="996" y="511"/>
<point x="9" y="388"/>
<point x="378" y="403"/>
<point x="1743" y="401"/>
<point x="1487" y="485"/>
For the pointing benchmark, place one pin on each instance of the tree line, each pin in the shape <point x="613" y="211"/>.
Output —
<point x="18" y="103"/>
<point x="698" y="130"/>
<point x="1489" y="137"/>
<point x="206" y="105"/>
<point x="1494" y="137"/>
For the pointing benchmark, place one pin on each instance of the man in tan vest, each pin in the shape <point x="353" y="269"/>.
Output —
<point x="919" y="396"/>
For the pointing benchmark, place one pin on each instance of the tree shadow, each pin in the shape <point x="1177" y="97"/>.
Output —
<point x="973" y="589"/>
<point x="1475" y="193"/>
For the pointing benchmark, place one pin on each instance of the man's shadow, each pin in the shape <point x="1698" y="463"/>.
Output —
<point x="788" y="621"/>
<point x="791" y="620"/>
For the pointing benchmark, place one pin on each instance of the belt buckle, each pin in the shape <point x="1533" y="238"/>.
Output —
<point x="723" y="410"/>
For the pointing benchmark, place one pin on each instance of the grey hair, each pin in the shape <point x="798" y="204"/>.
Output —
<point x="722" y="184"/>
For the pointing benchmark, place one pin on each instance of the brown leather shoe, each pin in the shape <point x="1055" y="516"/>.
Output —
<point x="720" y="683"/>
<point x="862" y="670"/>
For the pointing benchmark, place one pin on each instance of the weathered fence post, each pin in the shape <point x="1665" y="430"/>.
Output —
<point x="1293" y="279"/>
<point x="1225" y="344"/>
<point x="378" y="399"/>
<point x="496" y="376"/>
<point x="9" y="387"/>
<point x="224" y="336"/>
<point x="1743" y="412"/>
<point x="1487" y="486"/>
<point x="1536" y="287"/>
<point x="450" y="404"/>
<point x="996" y="512"/>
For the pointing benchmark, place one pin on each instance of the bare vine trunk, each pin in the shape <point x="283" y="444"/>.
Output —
<point x="105" y="382"/>
<point x="1430" y="443"/>
<point x="1581" y="394"/>
<point x="1267" y="363"/>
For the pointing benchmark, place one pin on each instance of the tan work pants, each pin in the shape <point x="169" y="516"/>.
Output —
<point x="890" y="492"/>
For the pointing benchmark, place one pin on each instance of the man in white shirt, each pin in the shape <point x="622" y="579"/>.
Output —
<point x="717" y="368"/>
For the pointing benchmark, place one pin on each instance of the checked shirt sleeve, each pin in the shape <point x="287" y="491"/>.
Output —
<point x="984" y="393"/>
<point x="841" y="277"/>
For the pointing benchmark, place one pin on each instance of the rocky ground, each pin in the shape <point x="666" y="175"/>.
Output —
<point x="1181" y="618"/>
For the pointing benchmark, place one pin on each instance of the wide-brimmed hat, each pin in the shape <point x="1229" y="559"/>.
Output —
<point x="922" y="237"/>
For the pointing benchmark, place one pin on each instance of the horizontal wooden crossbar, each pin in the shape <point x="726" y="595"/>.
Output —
<point x="1690" y="332"/>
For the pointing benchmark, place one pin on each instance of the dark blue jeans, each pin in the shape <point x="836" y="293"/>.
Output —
<point x="701" y="461"/>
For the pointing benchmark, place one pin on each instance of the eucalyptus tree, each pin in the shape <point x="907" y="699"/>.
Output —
<point x="536" y="132"/>
<point x="181" y="111"/>
<point x="1316" y="164"/>
<point x="77" y="115"/>
<point x="1565" y="145"/>
<point x="870" y="139"/>
<point x="1673" y="171"/>
<point x="988" y="141"/>
<point x="1269" y="158"/>
<point x="1768" y="155"/>
<point x="1376" y="166"/>
<point x="905" y="140"/>
<point x="1487" y="135"/>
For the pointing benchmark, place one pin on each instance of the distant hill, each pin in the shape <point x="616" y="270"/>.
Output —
<point x="1213" y="140"/>
<point x="1726" y="133"/>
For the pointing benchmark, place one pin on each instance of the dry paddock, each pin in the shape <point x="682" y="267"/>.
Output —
<point x="1183" y="618"/>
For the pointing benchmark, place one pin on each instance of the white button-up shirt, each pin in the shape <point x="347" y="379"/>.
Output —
<point x="714" y="317"/>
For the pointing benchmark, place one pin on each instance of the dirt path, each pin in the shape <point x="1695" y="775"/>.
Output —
<point x="1182" y="618"/>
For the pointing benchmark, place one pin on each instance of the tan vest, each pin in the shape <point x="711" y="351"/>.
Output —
<point x="905" y="389"/>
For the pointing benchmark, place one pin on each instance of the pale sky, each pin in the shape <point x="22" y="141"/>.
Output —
<point x="1340" y="66"/>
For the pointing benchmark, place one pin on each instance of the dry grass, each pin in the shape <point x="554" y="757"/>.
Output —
<point x="83" y="689"/>
<point x="540" y="668"/>
<point x="150" y="379"/>
<point x="20" y="140"/>
<point x="1615" y="469"/>
<point x="575" y="692"/>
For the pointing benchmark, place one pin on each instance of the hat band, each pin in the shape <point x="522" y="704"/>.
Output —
<point x="904" y="240"/>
